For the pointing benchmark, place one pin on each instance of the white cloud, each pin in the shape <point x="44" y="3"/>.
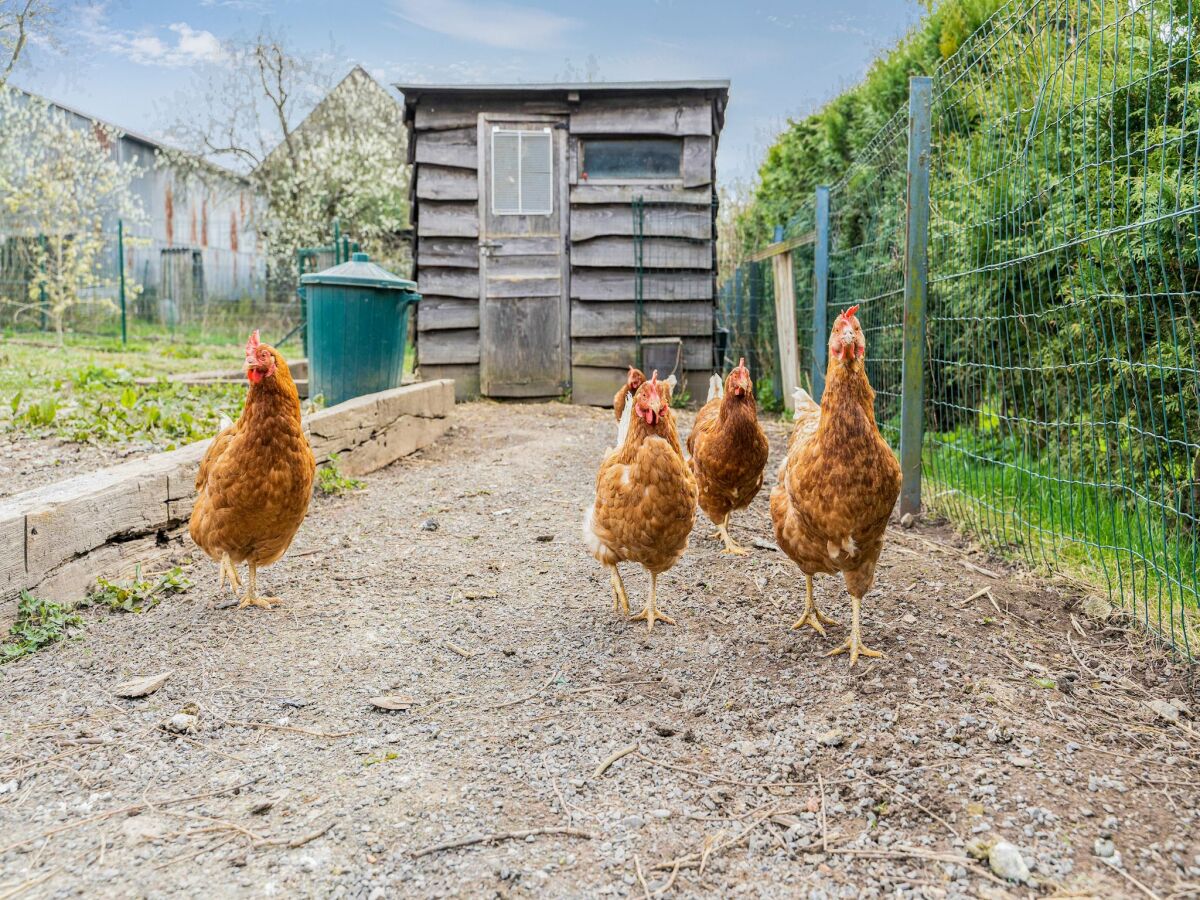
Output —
<point x="176" y="46"/>
<point x="494" y="24"/>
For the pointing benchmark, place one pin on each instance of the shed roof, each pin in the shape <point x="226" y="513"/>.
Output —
<point x="715" y="88"/>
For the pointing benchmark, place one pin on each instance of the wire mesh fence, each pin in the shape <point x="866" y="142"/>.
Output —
<point x="1063" y="381"/>
<point x="746" y="327"/>
<point x="1061" y="407"/>
<point x="129" y="285"/>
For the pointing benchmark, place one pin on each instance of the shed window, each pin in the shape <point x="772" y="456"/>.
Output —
<point x="522" y="172"/>
<point x="658" y="159"/>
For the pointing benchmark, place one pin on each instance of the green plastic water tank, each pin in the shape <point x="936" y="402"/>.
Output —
<point x="357" y="329"/>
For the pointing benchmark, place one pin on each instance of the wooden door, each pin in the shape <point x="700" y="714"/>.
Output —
<point x="524" y="336"/>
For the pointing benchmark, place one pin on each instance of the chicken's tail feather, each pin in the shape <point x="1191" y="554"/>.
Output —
<point x="803" y="403"/>
<point x="623" y="426"/>
<point x="715" y="387"/>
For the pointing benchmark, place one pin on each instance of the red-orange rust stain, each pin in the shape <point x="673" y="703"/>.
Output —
<point x="233" y="233"/>
<point x="193" y="226"/>
<point x="169" y="206"/>
<point x="101" y="135"/>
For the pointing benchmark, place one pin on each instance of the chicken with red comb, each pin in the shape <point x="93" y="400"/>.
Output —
<point x="838" y="484"/>
<point x="633" y="381"/>
<point x="728" y="451"/>
<point x="645" y="498"/>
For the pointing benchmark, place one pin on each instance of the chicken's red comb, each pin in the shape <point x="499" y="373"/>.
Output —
<point x="742" y="363"/>
<point x="851" y="311"/>
<point x="654" y="378"/>
<point x="252" y="344"/>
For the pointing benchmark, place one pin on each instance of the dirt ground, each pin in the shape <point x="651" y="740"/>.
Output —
<point x="458" y="583"/>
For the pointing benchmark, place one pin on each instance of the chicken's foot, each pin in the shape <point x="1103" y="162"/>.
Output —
<point x="812" y="617"/>
<point x="854" y="645"/>
<point x="252" y="598"/>
<point x="650" y="613"/>
<point x="731" y="546"/>
<point x="620" y="598"/>
<point x="228" y="571"/>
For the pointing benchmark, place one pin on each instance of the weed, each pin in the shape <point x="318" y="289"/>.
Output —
<point x="140" y="594"/>
<point x="39" y="623"/>
<point x="331" y="481"/>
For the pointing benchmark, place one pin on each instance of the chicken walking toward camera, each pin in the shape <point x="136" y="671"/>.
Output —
<point x="837" y="487"/>
<point x="255" y="481"/>
<point x="633" y="381"/>
<point x="645" y="498"/>
<point x="728" y="451"/>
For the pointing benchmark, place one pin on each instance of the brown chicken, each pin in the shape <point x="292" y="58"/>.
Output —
<point x="635" y="380"/>
<point x="729" y="451"/>
<point x="838" y="484"/>
<point x="255" y="481"/>
<point x="645" y="498"/>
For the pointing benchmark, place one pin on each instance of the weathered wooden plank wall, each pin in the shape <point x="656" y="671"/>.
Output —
<point x="677" y="252"/>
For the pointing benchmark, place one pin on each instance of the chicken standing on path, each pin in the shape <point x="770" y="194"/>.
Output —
<point x="645" y="498"/>
<point x="728" y="451"/>
<point x="255" y="480"/>
<point x="838" y="485"/>
<point x="633" y="381"/>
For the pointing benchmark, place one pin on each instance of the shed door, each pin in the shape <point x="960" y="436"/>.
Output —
<point x="523" y="305"/>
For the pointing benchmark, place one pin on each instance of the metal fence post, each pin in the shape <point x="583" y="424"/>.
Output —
<point x="121" y="268"/>
<point x="820" y="335"/>
<point x="916" y="282"/>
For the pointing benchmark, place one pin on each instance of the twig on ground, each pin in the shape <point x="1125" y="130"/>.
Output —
<point x="26" y="885"/>
<point x="126" y="810"/>
<point x="1137" y="884"/>
<point x="497" y="836"/>
<point x="824" y="828"/>
<point x="297" y="841"/>
<point x="461" y="651"/>
<point x="519" y="700"/>
<point x="967" y="564"/>
<point x="268" y="725"/>
<point x="899" y="852"/>
<point x="612" y="758"/>
<point x="178" y="859"/>
<point x="637" y="866"/>
<point x="975" y="596"/>
<point x="895" y="790"/>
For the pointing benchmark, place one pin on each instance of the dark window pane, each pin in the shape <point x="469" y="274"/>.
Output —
<point x="632" y="157"/>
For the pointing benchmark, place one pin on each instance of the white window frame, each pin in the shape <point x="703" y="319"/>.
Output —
<point x="521" y="134"/>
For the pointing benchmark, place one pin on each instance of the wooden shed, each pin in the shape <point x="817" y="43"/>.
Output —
<point x="564" y="231"/>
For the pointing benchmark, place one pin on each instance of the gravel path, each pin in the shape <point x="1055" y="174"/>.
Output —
<point x="457" y="583"/>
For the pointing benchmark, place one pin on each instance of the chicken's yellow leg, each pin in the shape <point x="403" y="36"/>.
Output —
<point x="651" y="614"/>
<point x="228" y="571"/>
<point x="620" y="598"/>
<point x="252" y="598"/>
<point x="854" y="645"/>
<point x="812" y="617"/>
<point x="731" y="546"/>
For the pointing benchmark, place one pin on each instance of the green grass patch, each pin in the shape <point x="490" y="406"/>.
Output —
<point x="138" y="594"/>
<point x="1144" y="551"/>
<point x="39" y="624"/>
<point x="332" y="482"/>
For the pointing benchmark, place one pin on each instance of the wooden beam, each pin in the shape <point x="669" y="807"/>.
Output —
<point x="619" y="284"/>
<point x="650" y="193"/>
<point x="454" y="253"/>
<point x="622" y="351"/>
<point x="442" y="313"/>
<point x="450" y="347"/>
<point x="801" y="240"/>
<point x="445" y="183"/>
<point x="615" y="319"/>
<point x="657" y="253"/>
<point x="785" y="327"/>
<point x="449" y="282"/>
<point x="438" y="219"/>
<point x="658" y="221"/>
<point x="455" y="147"/>
<point x="697" y="161"/>
<point x="612" y="116"/>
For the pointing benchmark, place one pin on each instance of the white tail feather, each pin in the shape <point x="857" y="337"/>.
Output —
<point x="224" y="423"/>
<point x="716" y="388"/>
<point x="623" y="426"/>
<point x="802" y="402"/>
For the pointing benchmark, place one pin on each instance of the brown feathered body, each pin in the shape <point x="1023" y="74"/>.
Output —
<point x="728" y="450"/>
<point x="255" y="481"/>
<point x="635" y="380"/>
<point x="839" y="482"/>
<point x="645" y="496"/>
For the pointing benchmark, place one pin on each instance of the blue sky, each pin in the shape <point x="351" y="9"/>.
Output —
<point x="128" y="61"/>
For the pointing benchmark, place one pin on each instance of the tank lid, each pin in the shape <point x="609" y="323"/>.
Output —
<point x="362" y="272"/>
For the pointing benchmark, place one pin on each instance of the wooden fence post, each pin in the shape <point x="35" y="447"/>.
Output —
<point x="820" y="337"/>
<point x="916" y="283"/>
<point x="785" y="323"/>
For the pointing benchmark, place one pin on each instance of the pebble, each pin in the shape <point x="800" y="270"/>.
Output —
<point x="832" y="738"/>
<point x="1006" y="861"/>
<point x="1104" y="848"/>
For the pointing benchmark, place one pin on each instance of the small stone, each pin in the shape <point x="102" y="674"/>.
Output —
<point x="1168" y="710"/>
<point x="908" y="520"/>
<point x="182" y="723"/>
<point x="831" y="738"/>
<point x="544" y="538"/>
<point x="1021" y="762"/>
<point x="1104" y="848"/>
<point x="1005" y="860"/>
<point x="429" y="525"/>
<point x="666" y="731"/>
<point x="908" y="619"/>
<point x="978" y="848"/>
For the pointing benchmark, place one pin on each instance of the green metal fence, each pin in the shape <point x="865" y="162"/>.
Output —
<point x="1052" y="404"/>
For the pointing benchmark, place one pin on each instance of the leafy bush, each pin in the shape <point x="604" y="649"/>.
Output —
<point x="331" y="481"/>
<point x="39" y="623"/>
